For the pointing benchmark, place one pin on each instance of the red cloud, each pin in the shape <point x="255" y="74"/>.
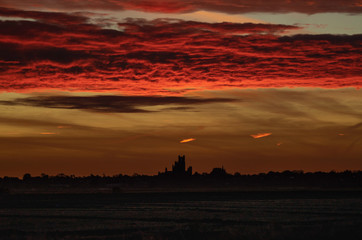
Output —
<point x="156" y="56"/>
<point x="177" y="6"/>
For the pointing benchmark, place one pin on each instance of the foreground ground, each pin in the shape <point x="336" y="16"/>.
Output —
<point x="182" y="215"/>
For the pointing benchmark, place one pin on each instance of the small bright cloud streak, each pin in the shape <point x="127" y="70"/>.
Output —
<point x="260" y="135"/>
<point x="187" y="140"/>
<point x="47" y="133"/>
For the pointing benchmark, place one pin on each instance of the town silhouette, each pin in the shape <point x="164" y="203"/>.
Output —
<point x="181" y="177"/>
<point x="181" y="204"/>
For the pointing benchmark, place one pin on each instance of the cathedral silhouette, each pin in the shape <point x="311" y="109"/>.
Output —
<point x="178" y="168"/>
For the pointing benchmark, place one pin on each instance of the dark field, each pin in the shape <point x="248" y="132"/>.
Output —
<point x="193" y="215"/>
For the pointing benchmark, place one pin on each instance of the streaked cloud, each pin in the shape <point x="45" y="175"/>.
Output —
<point x="307" y="122"/>
<point x="260" y="135"/>
<point x="187" y="140"/>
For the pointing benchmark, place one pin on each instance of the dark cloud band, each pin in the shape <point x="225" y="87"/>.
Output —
<point x="118" y="104"/>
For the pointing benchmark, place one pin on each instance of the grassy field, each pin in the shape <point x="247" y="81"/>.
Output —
<point x="207" y="215"/>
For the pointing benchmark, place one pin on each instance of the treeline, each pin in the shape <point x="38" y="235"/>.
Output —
<point x="216" y="178"/>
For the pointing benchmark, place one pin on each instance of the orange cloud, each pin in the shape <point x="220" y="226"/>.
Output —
<point x="63" y="126"/>
<point x="187" y="140"/>
<point x="260" y="135"/>
<point x="47" y="133"/>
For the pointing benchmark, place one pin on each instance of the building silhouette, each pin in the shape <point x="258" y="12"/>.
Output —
<point x="178" y="168"/>
<point x="218" y="172"/>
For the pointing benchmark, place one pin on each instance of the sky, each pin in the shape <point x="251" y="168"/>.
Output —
<point x="125" y="86"/>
